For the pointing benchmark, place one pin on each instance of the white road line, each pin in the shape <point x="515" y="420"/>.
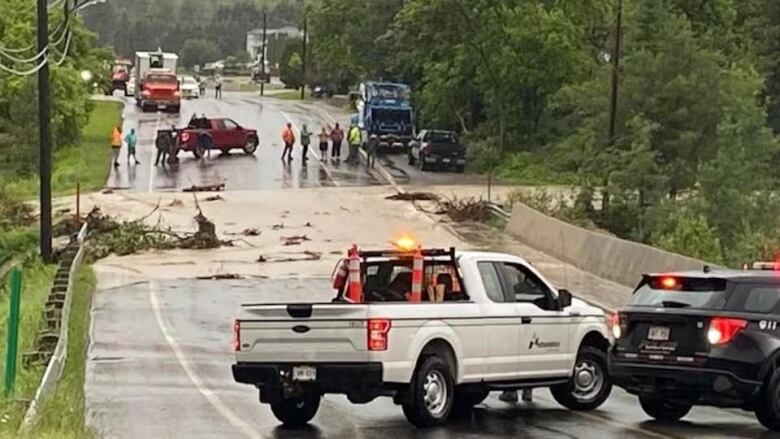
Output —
<point x="212" y="398"/>
<point x="312" y="150"/>
<point x="151" y="157"/>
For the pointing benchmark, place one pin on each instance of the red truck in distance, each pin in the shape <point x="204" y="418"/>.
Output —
<point x="222" y="134"/>
<point x="160" y="91"/>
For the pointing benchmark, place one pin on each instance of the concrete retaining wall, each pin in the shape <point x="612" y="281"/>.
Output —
<point x="605" y="256"/>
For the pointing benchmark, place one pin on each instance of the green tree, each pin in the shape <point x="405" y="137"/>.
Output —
<point x="291" y="65"/>
<point x="197" y="52"/>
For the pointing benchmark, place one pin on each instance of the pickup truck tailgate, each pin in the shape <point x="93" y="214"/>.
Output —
<point x="327" y="332"/>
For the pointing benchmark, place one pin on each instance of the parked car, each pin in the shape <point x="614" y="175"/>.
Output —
<point x="190" y="89"/>
<point x="708" y="337"/>
<point x="437" y="148"/>
<point x="498" y="325"/>
<point x="321" y="91"/>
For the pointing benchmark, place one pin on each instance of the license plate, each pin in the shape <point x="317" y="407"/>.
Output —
<point x="304" y="373"/>
<point x="163" y="107"/>
<point x="446" y="160"/>
<point x="658" y="333"/>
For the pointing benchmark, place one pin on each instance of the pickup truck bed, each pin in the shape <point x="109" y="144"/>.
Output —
<point x="492" y="330"/>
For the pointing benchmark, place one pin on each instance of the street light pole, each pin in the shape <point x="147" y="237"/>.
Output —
<point x="262" y="54"/>
<point x="303" y="68"/>
<point x="615" y="73"/>
<point x="44" y="133"/>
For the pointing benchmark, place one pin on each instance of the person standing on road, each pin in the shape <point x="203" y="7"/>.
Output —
<point x="337" y="136"/>
<point x="355" y="139"/>
<point x="305" y="142"/>
<point x="373" y="145"/>
<point x="218" y="86"/>
<point x="132" y="140"/>
<point x="116" y="144"/>
<point x="288" y="137"/>
<point x="323" y="136"/>
<point x="163" y="144"/>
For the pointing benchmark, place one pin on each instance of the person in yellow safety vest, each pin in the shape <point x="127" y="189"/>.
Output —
<point x="116" y="144"/>
<point x="355" y="139"/>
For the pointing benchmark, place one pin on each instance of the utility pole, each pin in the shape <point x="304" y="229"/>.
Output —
<point x="303" y="57"/>
<point x="262" y="54"/>
<point x="44" y="134"/>
<point x="615" y="73"/>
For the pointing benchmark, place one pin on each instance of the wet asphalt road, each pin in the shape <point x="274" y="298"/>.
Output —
<point x="264" y="170"/>
<point x="159" y="366"/>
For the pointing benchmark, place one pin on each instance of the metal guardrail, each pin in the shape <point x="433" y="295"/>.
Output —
<point x="496" y="210"/>
<point x="57" y="361"/>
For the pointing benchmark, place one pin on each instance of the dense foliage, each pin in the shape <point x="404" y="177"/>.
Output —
<point x="692" y="163"/>
<point x="69" y="93"/>
<point x="140" y="25"/>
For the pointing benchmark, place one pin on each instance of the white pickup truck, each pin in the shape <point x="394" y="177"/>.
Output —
<point x="499" y="326"/>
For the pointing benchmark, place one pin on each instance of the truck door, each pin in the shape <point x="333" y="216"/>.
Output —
<point x="545" y="330"/>
<point x="234" y="135"/>
<point x="502" y="327"/>
<point x="219" y="133"/>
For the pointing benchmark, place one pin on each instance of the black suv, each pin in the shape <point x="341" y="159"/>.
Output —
<point x="701" y="338"/>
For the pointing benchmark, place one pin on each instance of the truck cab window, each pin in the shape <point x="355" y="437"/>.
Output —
<point x="229" y="124"/>
<point x="525" y="286"/>
<point x="491" y="281"/>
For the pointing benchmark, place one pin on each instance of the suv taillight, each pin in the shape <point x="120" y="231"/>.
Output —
<point x="378" y="330"/>
<point x="722" y="330"/>
<point x="236" y="335"/>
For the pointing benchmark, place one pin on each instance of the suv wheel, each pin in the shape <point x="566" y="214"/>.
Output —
<point x="296" y="412"/>
<point x="251" y="145"/>
<point x="589" y="386"/>
<point x="664" y="409"/>
<point x="768" y="408"/>
<point x="432" y="393"/>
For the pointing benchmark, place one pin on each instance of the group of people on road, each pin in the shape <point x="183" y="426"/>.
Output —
<point x="335" y="135"/>
<point x="131" y="140"/>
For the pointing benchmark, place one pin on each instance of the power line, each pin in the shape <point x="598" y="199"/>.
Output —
<point x="32" y="71"/>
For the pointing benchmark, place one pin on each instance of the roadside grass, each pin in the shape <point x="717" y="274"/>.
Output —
<point x="62" y="414"/>
<point x="291" y="95"/>
<point x="86" y="163"/>
<point x="36" y="283"/>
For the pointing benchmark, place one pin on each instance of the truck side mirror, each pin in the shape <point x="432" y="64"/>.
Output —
<point x="564" y="299"/>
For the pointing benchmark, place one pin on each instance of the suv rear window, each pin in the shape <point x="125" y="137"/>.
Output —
<point x="761" y="299"/>
<point x="680" y="292"/>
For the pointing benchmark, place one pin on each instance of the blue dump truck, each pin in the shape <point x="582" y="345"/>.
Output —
<point x="384" y="109"/>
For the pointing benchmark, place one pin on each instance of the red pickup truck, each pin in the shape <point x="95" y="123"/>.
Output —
<point x="202" y="134"/>
<point x="160" y="91"/>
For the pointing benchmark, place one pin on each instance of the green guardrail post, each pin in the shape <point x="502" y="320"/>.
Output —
<point x="13" y="332"/>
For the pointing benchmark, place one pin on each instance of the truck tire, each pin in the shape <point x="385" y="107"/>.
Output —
<point x="296" y="412"/>
<point x="176" y="109"/>
<point x="589" y="386"/>
<point x="768" y="407"/>
<point x="664" y="409"/>
<point x="251" y="145"/>
<point x="431" y="393"/>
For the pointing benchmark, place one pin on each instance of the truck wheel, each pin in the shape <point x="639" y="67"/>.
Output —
<point x="589" y="386"/>
<point x="768" y="407"/>
<point x="296" y="412"/>
<point x="664" y="409"/>
<point x="251" y="145"/>
<point x="175" y="109"/>
<point x="432" y="393"/>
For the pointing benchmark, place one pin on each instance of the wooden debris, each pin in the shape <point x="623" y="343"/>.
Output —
<point x="295" y="240"/>
<point x="414" y="196"/>
<point x="220" y="276"/>
<point x="205" y="188"/>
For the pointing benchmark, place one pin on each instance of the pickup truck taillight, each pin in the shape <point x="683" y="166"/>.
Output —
<point x="185" y="137"/>
<point x="378" y="330"/>
<point x="236" y="335"/>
